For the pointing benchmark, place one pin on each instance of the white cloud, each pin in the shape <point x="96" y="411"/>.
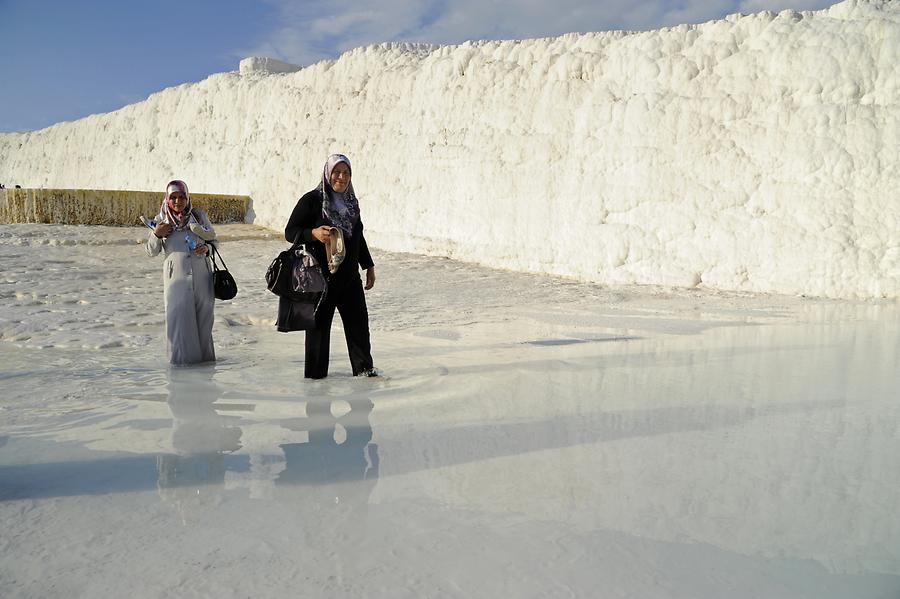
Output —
<point x="477" y="19"/>
<point x="309" y="31"/>
<point x="696" y="11"/>
<point x="779" y="5"/>
<point x="312" y="30"/>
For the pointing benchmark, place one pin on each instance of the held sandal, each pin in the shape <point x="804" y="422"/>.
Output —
<point x="335" y="249"/>
<point x="202" y="232"/>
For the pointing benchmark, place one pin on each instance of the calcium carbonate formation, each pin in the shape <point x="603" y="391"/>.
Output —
<point x="755" y="153"/>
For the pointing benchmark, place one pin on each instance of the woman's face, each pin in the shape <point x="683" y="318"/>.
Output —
<point x="178" y="201"/>
<point x="340" y="177"/>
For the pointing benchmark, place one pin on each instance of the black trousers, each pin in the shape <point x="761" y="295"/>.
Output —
<point x="346" y="294"/>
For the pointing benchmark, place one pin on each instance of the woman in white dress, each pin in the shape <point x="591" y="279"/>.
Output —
<point x="182" y="233"/>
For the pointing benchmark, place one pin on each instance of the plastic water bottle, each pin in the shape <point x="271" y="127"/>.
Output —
<point x="191" y="241"/>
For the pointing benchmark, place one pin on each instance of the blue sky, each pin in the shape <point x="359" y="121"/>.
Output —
<point x="65" y="59"/>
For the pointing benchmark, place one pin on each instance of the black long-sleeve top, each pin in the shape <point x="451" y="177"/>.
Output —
<point x="307" y="215"/>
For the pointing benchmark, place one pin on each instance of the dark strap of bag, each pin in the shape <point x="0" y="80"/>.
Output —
<point x="224" y="285"/>
<point x="214" y="253"/>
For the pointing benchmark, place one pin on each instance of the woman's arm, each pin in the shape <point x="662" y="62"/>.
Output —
<point x="365" y="258"/>
<point x="365" y="261"/>
<point x="202" y="227"/>
<point x="302" y="220"/>
<point x="154" y="244"/>
<point x="209" y="233"/>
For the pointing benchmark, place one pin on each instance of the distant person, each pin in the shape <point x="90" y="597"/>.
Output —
<point x="327" y="220"/>
<point x="18" y="187"/>
<point x="182" y="233"/>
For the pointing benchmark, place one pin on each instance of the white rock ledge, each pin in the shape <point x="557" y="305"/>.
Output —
<point x="266" y="66"/>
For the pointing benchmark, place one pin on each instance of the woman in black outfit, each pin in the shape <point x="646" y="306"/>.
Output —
<point x="333" y="204"/>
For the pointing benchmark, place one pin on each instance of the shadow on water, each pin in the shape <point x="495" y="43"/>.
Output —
<point x="325" y="458"/>
<point x="202" y="440"/>
<point x="337" y="449"/>
<point x="558" y="342"/>
<point x="206" y="439"/>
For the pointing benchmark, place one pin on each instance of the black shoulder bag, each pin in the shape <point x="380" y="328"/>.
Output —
<point x="278" y="275"/>
<point x="295" y="274"/>
<point x="224" y="285"/>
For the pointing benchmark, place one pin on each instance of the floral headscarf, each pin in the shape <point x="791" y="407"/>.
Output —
<point x="179" y="220"/>
<point x="340" y="209"/>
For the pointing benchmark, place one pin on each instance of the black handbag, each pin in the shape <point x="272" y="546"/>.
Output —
<point x="295" y="275"/>
<point x="224" y="285"/>
<point x="278" y="275"/>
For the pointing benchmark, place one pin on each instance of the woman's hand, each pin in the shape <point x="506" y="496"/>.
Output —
<point x="162" y="230"/>
<point x="201" y="249"/>
<point x="322" y="233"/>
<point x="370" y="278"/>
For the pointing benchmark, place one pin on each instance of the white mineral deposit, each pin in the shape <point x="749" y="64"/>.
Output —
<point x="755" y="153"/>
<point x="637" y="310"/>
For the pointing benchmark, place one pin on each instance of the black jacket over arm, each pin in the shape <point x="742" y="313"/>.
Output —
<point x="307" y="215"/>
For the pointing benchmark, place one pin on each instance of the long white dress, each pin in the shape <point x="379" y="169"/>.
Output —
<point x="189" y="299"/>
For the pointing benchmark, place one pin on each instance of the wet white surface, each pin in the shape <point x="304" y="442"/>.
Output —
<point x="534" y="437"/>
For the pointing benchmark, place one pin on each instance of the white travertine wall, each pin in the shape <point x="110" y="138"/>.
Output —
<point x="756" y="153"/>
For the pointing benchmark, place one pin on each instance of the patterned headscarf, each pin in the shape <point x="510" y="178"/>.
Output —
<point x="177" y="220"/>
<point x="340" y="209"/>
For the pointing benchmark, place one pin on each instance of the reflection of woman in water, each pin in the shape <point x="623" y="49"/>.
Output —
<point x="201" y="439"/>
<point x="338" y="467"/>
